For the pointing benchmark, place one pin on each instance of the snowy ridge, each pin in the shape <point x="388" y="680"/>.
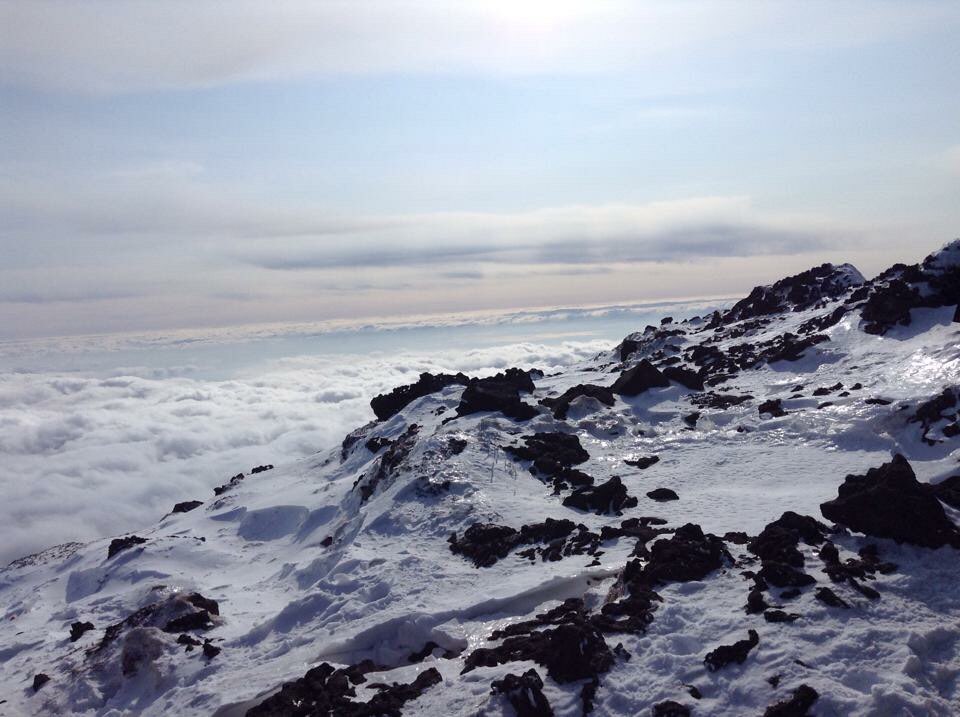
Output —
<point x="415" y="560"/>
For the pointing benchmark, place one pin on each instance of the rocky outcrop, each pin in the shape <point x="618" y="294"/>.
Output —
<point x="889" y="502"/>
<point x="637" y="379"/>
<point x="608" y="497"/>
<point x="796" y="293"/>
<point x="500" y="393"/>
<point x="118" y="545"/>
<point x="524" y="693"/>
<point x="387" y="405"/>
<point x="561" y="404"/>
<point x="728" y="654"/>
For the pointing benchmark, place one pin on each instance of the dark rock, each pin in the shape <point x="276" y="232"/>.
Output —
<point x="390" y="404"/>
<point x="691" y="419"/>
<point x="189" y="641"/>
<point x="773" y="407"/>
<point x="727" y="654"/>
<point x="628" y="347"/>
<point x="485" y="543"/>
<point x="828" y="597"/>
<point x="199" y="620"/>
<point x="889" y="502"/>
<point x="119" y="544"/>
<point x="639" y="378"/>
<point x="756" y="602"/>
<point x="210" y="650"/>
<point x="685" y="377"/>
<point x="717" y="400"/>
<point x="378" y="443"/>
<point x="500" y="393"/>
<point x="779" y="616"/>
<point x="888" y="305"/>
<point x="795" y="293"/>
<point x="261" y="469"/>
<point x="78" y="628"/>
<point x="782" y="575"/>
<point x="232" y="483"/>
<point x="39" y="680"/>
<point x="948" y="491"/>
<point x="670" y="708"/>
<point x="737" y="537"/>
<point x="574" y="650"/>
<point x="932" y="411"/>
<point x="388" y="464"/>
<point x="688" y="554"/>
<point x="186" y="506"/>
<point x="797" y="705"/>
<point x="203" y="603"/>
<point x="609" y="497"/>
<point x="551" y="453"/>
<point x="877" y="402"/>
<point x="561" y="404"/>
<point x="324" y="690"/>
<point x="643" y="462"/>
<point x="694" y="692"/>
<point x="524" y="693"/>
<point x="662" y="494"/>
<point x="778" y="541"/>
<point x="951" y="430"/>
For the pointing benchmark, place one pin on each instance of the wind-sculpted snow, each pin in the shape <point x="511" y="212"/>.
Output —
<point x="464" y="555"/>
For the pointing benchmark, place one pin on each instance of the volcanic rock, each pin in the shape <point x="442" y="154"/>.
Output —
<point x="889" y="502"/>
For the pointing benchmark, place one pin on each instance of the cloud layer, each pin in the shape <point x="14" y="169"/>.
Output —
<point x="90" y="457"/>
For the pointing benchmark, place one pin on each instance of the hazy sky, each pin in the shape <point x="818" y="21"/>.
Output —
<point x="179" y="164"/>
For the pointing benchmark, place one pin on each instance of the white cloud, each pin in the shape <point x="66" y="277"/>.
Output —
<point x="130" y="45"/>
<point x="88" y="457"/>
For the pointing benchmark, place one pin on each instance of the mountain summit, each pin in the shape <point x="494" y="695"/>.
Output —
<point x="747" y="513"/>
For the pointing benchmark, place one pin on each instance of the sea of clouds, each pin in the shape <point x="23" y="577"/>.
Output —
<point x="84" y="457"/>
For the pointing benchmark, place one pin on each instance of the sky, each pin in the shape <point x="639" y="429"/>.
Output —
<point x="169" y="165"/>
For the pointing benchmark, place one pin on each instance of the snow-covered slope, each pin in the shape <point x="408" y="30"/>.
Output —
<point x="399" y="560"/>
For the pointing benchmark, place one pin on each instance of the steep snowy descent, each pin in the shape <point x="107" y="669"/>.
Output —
<point x="748" y="513"/>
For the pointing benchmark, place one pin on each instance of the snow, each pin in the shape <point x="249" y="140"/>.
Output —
<point x="305" y="571"/>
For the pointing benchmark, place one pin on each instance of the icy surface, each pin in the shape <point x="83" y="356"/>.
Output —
<point x="305" y="569"/>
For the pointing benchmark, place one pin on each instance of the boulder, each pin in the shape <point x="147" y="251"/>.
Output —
<point x="609" y="497"/>
<point x="889" y="502"/>
<point x="524" y="693"/>
<point x="639" y="378"/>
<point x="387" y="405"/>
<point x="728" y="654"/>
<point x="561" y="404"/>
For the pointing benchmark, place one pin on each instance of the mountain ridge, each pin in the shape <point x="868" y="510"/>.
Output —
<point x="492" y="545"/>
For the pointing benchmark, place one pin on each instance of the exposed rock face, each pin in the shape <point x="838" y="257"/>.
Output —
<point x="389" y="463"/>
<point x="500" y="393"/>
<point x="662" y="494"/>
<point x="609" y="497"/>
<point x="686" y="377"/>
<point x="550" y="453"/>
<point x="778" y="540"/>
<point x="727" y="654"/>
<point x="118" y="545"/>
<point x="573" y="650"/>
<point x="387" y="405"/>
<point x="688" y="554"/>
<point x="561" y="404"/>
<point x="324" y="690"/>
<point x="643" y="462"/>
<point x="670" y="708"/>
<point x="948" y="491"/>
<point x="889" y="502"/>
<point x="773" y="408"/>
<point x="933" y="283"/>
<point x="78" y="628"/>
<point x="941" y="406"/>
<point x="797" y="705"/>
<point x="639" y="378"/>
<point x="795" y="293"/>
<point x="524" y="693"/>
<point x="186" y="506"/>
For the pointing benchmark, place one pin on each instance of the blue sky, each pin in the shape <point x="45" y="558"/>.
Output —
<point x="171" y="165"/>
